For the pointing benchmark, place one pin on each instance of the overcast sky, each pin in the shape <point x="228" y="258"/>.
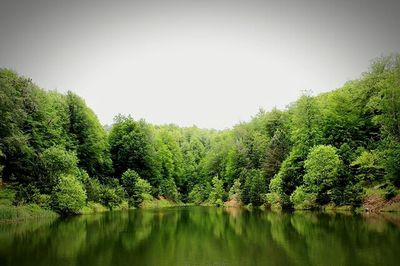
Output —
<point x="211" y="63"/>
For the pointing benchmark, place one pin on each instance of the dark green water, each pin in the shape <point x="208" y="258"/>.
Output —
<point x="203" y="236"/>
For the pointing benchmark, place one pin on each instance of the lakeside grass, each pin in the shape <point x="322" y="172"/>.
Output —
<point x="161" y="203"/>
<point x="24" y="212"/>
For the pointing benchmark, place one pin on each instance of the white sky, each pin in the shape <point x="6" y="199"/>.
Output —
<point x="208" y="63"/>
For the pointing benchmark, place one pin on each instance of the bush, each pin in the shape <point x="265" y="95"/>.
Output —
<point x="234" y="192"/>
<point x="135" y="187"/>
<point x="94" y="190"/>
<point x="142" y="191"/>
<point x="390" y="192"/>
<point x="168" y="189"/>
<point x="254" y="188"/>
<point x="196" y="195"/>
<point x="217" y="191"/>
<point x="303" y="200"/>
<point x="368" y="167"/>
<point x="44" y="201"/>
<point x="109" y="197"/>
<point x="68" y="196"/>
<point x="129" y="178"/>
<point x="26" y="194"/>
<point x="199" y="193"/>
<point x="258" y="188"/>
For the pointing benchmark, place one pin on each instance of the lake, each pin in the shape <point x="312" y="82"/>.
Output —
<point x="203" y="236"/>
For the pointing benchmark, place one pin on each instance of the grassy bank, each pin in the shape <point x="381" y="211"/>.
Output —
<point x="160" y="203"/>
<point x="9" y="212"/>
<point x="24" y="212"/>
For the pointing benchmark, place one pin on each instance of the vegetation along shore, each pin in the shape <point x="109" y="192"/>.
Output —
<point x="335" y="150"/>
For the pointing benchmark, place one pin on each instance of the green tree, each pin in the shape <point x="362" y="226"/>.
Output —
<point x="217" y="194"/>
<point x="89" y="138"/>
<point x="56" y="161"/>
<point x="234" y="192"/>
<point x="68" y="196"/>
<point x="131" y="148"/>
<point x="323" y="167"/>
<point x="168" y="189"/>
<point x="302" y="199"/>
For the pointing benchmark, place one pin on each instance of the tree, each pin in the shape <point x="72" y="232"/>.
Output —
<point x="217" y="194"/>
<point x="168" y="189"/>
<point x="135" y="187"/>
<point x="258" y="188"/>
<point x="199" y="193"/>
<point x="68" y="196"/>
<point x="323" y="168"/>
<point x="303" y="199"/>
<point x="234" y="192"/>
<point x="89" y="138"/>
<point x="368" y="167"/>
<point x="131" y="148"/>
<point x="56" y="161"/>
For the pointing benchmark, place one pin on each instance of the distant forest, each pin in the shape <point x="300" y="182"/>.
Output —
<point x="320" y="150"/>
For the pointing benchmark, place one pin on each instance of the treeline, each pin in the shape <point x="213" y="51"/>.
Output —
<point x="324" y="149"/>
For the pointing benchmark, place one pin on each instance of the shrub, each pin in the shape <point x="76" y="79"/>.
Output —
<point x="129" y="178"/>
<point x="142" y="191"/>
<point x="68" y="196"/>
<point x="198" y="194"/>
<point x="217" y="191"/>
<point x="56" y="161"/>
<point x="234" y="192"/>
<point x="135" y="187"/>
<point x="390" y="192"/>
<point x="169" y="190"/>
<point x="302" y="199"/>
<point x="109" y="197"/>
<point x="94" y="190"/>
<point x="368" y="167"/>
<point x="26" y="194"/>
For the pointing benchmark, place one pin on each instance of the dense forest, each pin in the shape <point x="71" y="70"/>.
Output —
<point x="320" y="150"/>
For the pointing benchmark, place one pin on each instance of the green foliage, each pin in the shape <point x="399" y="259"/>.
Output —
<point x="234" y="192"/>
<point x="390" y="192"/>
<point x="142" y="191"/>
<point x="135" y="187"/>
<point x="110" y="197"/>
<point x="254" y="188"/>
<point x="129" y="178"/>
<point x="26" y="194"/>
<point x="131" y="148"/>
<point x="168" y="189"/>
<point x="56" y="161"/>
<point x="199" y="193"/>
<point x="290" y="175"/>
<point x="258" y="188"/>
<point x="89" y="138"/>
<point x="302" y="199"/>
<point x="368" y="167"/>
<point x="217" y="193"/>
<point x="323" y="167"/>
<point x="68" y="196"/>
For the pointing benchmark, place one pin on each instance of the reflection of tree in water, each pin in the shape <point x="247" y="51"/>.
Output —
<point x="201" y="236"/>
<point x="325" y="239"/>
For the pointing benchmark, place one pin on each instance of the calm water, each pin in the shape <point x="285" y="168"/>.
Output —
<point x="203" y="236"/>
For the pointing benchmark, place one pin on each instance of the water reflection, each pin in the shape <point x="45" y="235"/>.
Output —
<point x="203" y="236"/>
